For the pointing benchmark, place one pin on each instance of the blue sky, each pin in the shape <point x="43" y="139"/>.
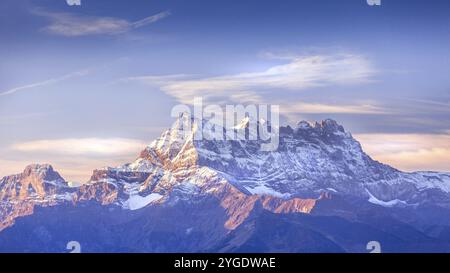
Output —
<point x="86" y="86"/>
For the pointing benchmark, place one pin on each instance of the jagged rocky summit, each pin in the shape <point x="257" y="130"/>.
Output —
<point x="224" y="195"/>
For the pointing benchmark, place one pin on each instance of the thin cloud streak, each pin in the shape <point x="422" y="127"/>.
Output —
<point x="71" y="168"/>
<point x="82" y="146"/>
<point x="320" y="108"/>
<point x="409" y="152"/>
<point x="71" y="25"/>
<point x="74" y="158"/>
<point x="69" y="76"/>
<point x="46" y="82"/>
<point x="298" y="73"/>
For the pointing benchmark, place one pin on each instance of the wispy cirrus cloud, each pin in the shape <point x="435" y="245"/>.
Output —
<point x="409" y="152"/>
<point x="82" y="146"/>
<point x="74" y="158"/>
<point x="74" y="168"/>
<point x="46" y="82"/>
<point x="80" y="73"/>
<point x="321" y="108"/>
<point x="71" y="25"/>
<point x="297" y="73"/>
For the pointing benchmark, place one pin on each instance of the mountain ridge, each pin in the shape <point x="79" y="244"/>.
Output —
<point x="315" y="164"/>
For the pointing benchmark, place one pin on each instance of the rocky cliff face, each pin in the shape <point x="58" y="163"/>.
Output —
<point x="310" y="159"/>
<point x="36" y="185"/>
<point x="316" y="169"/>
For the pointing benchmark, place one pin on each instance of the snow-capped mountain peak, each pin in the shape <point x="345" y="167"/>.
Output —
<point x="303" y="125"/>
<point x="311" y="160"/>
<point x="38" y="184"/>
<point x="43" y="171"/>
<point x="36" y="181"/>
